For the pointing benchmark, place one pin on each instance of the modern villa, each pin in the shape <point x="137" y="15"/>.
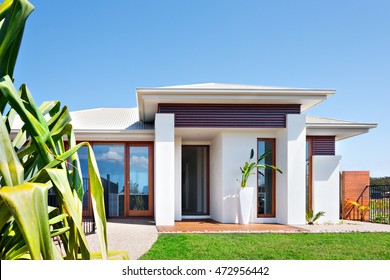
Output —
<point x="178" y="154"/>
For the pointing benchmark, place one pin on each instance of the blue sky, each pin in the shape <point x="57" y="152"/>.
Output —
<point x="92" y="54"/>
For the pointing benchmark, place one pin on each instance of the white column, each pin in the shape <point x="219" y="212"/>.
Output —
<point x="290" y="158"/>
<point x="326" y="187"/>
<point x="178" y="181"/>
<point x="164" y="169"/>
<point x="216" y="165"/>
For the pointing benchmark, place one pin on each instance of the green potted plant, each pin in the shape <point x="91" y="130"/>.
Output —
<point x="246" y="192"/>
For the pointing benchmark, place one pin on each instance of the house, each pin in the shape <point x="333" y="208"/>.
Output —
<point x="177" y="155"/>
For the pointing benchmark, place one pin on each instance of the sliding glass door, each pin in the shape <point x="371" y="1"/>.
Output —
<point x="140" y="199"/>
<point x="126" y="171"/>
<point x="195" y="180"/>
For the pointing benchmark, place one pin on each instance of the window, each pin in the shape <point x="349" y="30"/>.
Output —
<point x="308" y="174"/>
<point x="266" y="179"/>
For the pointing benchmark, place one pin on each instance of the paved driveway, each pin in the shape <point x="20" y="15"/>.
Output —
<point x="135" y="236"/>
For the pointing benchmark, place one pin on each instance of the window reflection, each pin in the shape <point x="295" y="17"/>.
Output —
<point x="139" y="178"/>
<point x="110" y="160"/>
<point x="265" y="179"/>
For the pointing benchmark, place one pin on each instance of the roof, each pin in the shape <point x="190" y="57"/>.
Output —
<point x="109" y="119"/>
<point x="217" y="93"/>
<point x="223" y="86"/>
<point x="123" y="123"/>
<point x="339" y="128"/>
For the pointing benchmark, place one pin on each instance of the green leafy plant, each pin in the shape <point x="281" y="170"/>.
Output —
<point x="311" y="217"/>
<point x="41" y="155"/>
<point x="249" y="167"/>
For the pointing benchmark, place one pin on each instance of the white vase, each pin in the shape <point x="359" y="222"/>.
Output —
<point x="245" y="205"/>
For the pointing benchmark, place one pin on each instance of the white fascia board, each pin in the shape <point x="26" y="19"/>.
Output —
<point x="339" y="132"/>
<point x="148" y="98"/>
<point x="119" y="135"/>
<point x="342" y="125"/>
<point x="286" y="91"/>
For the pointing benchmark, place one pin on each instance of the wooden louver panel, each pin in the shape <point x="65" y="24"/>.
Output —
<point x="230" y="115"/>
<point x="324" y="145"/>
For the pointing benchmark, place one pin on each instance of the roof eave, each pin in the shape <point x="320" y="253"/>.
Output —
<point x="340" y="131"/>
<point x="190" y="95"/>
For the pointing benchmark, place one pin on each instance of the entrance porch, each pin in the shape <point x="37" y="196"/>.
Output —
<point x="211" y="226"/>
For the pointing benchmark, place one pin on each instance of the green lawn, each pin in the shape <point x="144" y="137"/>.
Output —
<point x="271" y="246"/>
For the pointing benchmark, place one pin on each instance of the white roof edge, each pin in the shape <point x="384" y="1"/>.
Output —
<point x="212" y="85"/>
<point x="342" y="125"/>
<point x="122" y="131"/>
<point x="314" y="121"/>
<point x="229" y="91"/>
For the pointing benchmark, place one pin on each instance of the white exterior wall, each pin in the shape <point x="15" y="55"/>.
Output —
<point x="235" y="152"/>
<point x="290" y="158"/>
<point x="164" y="169"/>
<point x="326" y="190"/>
<point x="216" y="167"/>
<point x="178" y="160"/>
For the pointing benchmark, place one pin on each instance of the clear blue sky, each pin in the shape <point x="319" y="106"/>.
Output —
<point x="95" y="53"/>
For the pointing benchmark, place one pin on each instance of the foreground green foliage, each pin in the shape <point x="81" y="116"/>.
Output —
<point x="39" y="157"/>
<point x="270" y="246"/>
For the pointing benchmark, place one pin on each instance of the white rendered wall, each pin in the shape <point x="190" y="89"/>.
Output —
<point x="216" y="166"/>
<point x="178" y="160"/>
<point x="291" y="159"/>
<point x="326" y="191"/>
<point x="164" y="169"/>
<point x="235" y="152"/>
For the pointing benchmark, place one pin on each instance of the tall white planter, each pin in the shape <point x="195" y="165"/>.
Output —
<point x="245" y="205"/>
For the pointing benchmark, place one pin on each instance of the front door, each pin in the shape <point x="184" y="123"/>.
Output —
<point x="195" y="180"/>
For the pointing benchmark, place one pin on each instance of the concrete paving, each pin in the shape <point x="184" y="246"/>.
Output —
<point x="135" y="236"/>
<point x="346" y="226"/>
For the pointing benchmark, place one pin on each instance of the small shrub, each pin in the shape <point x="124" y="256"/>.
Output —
<point x="311" y="218"/>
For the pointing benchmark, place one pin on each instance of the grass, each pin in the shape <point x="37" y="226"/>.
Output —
<point x="271" y="246"/>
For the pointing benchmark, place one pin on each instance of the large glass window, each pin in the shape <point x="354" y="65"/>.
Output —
<point x="111" y="159"/>
<point x="266" y="179"/>
<point x="308" y="174"/>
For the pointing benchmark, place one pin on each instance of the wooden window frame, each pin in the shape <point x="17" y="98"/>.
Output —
<point x="309" y="140"/>
<point x="273" y="214"/>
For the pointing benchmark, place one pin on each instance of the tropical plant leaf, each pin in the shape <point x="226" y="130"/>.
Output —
<point x="263" y="156"/>
<point x="31" y="198"/>
<point x="252" y="154"/>
<point x="37" y="158"/>
<point x="14" y="15"/>
<point x="39" y="131"/>
<point x="72" y="205"/>
<point x="97" y="201"/>
<point x="112" y="255"/>
<point x="11" y="170"/>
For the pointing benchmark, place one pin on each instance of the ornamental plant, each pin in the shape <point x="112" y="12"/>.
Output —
<point x="40" y="156"/>
<point x="311" y="218"/>
<point x="361" y="208"/>
<point x="250" y="165"/>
